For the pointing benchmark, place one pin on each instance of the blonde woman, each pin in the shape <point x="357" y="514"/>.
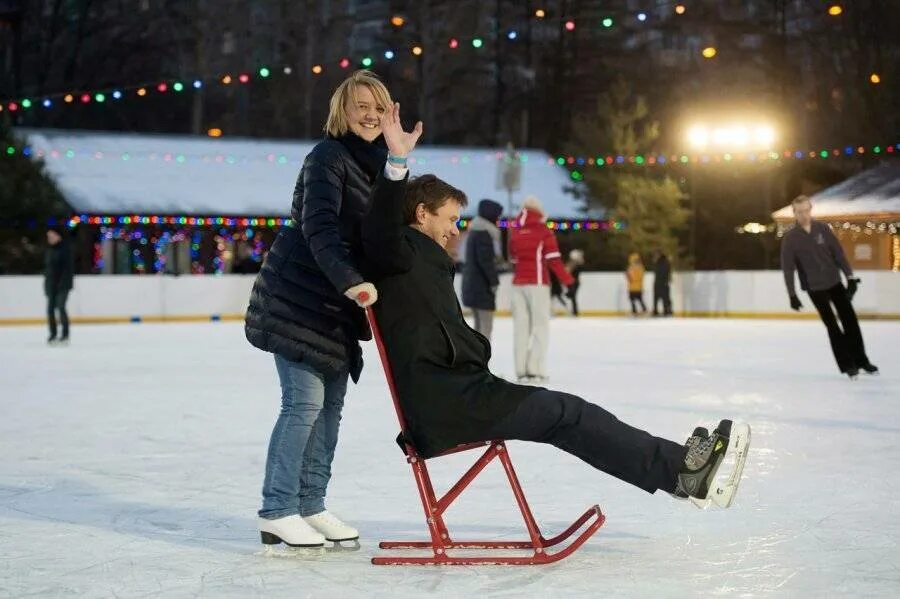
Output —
<point x="305" y="308"/>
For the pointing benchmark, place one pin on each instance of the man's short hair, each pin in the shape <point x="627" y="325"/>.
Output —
<point x="433" y="193"/>
<point x="800" y="199"/>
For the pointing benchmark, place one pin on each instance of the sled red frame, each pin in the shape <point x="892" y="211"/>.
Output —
<point x="435" y="507"/>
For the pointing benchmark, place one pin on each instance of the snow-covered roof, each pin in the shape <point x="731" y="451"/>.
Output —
<point x="125" y="173"/>
<point x="874" y="191"/>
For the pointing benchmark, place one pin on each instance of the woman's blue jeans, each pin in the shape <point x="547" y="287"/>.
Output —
<point x="298" y="466"/>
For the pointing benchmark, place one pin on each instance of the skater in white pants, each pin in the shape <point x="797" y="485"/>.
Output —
<point x="534" y="251"/>
<point x="531" y="330"/>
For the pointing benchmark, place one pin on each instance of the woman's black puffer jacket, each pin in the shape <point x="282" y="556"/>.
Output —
<point x="297" y="305"/>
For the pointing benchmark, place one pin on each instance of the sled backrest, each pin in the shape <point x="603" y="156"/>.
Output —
<point x="388" y="373"/>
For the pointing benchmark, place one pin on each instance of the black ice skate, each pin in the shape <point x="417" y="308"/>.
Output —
<point x="870" y="368"/>
<point x="714" y="464"/>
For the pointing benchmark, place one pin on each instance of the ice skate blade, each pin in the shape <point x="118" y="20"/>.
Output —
<point x="722" y="491"/>
<point x="342" y="546"/>
<point x="286" y="551"/>
<point x="700" y="503"/>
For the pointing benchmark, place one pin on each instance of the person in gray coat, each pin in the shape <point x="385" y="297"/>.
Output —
<point x="480" y="277"/>
<point x="812" y="250"/>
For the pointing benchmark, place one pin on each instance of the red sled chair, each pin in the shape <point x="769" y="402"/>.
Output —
<point x="434" y="507"/>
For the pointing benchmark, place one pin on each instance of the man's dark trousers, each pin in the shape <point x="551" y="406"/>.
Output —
<point x="589" y="432"/>
<point x="847" y="344"/>
<point x="661" y="294"/>
<point x="57" y="301"/>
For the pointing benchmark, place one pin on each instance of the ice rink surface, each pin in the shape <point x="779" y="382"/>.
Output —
<point x="131" y="462"/>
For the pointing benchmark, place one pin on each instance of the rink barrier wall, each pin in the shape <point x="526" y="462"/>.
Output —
<point x="161" y="298"/>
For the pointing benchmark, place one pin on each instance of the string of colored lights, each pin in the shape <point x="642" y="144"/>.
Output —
<point x="193" y="221"/>
<point x="662" y="159"/>
<point x="869" y="228"/>
<point x="857" y="227"/>
<point x="268" y="222"/>
<point x="179" y="158"/>
<point x="570" y="161"/>
<point x="163" y="85"/>
<point x="160" y="240"/>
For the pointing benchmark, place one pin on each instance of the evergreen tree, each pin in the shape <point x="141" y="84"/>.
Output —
<point x="649" y="205"/>
<point x="28" y="200"/>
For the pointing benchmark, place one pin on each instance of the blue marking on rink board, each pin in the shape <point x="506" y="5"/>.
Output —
<point x="215" y="317"/>
<point x="135" y="319"/>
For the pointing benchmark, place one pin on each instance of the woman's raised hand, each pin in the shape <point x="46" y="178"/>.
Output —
<point x="399" y="142"/>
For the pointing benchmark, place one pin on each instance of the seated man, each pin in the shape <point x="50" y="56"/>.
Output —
<point x="440" y="364"/>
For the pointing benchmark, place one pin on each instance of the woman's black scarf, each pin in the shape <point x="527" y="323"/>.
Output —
<point x="371" y="156"/>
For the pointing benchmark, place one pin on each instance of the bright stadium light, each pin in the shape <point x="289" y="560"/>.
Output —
<point x="764" y="135"/>
<point x="698" y="136"/>
<point x="731" y="136"/>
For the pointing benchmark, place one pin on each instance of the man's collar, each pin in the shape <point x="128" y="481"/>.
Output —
<point x="435" y="251"/>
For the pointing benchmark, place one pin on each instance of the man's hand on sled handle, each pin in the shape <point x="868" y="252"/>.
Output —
<point x="399" y="142"/>
<point x="363" y="294"/>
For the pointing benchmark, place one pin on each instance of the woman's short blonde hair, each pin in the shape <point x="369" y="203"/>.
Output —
<point x="533" y="203"/>
<point x="338" y="124"/>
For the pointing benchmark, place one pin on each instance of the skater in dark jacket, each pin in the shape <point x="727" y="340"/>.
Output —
<point x="305" y="309"/>
<point x="59" y="277"/>
<point x="439" y="363"/>
<point x="812" y="251"/>
<point x="662" y="277"/>
<point x="480" y="276"/>
<point x="575" y="264"/>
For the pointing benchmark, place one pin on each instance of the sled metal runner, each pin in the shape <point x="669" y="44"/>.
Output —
<point x="544" y="550"/>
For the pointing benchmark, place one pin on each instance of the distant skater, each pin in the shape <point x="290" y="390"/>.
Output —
<point x="812" y="250"/>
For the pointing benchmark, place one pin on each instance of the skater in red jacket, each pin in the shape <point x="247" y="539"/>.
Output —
<point x="534" y="252"/>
